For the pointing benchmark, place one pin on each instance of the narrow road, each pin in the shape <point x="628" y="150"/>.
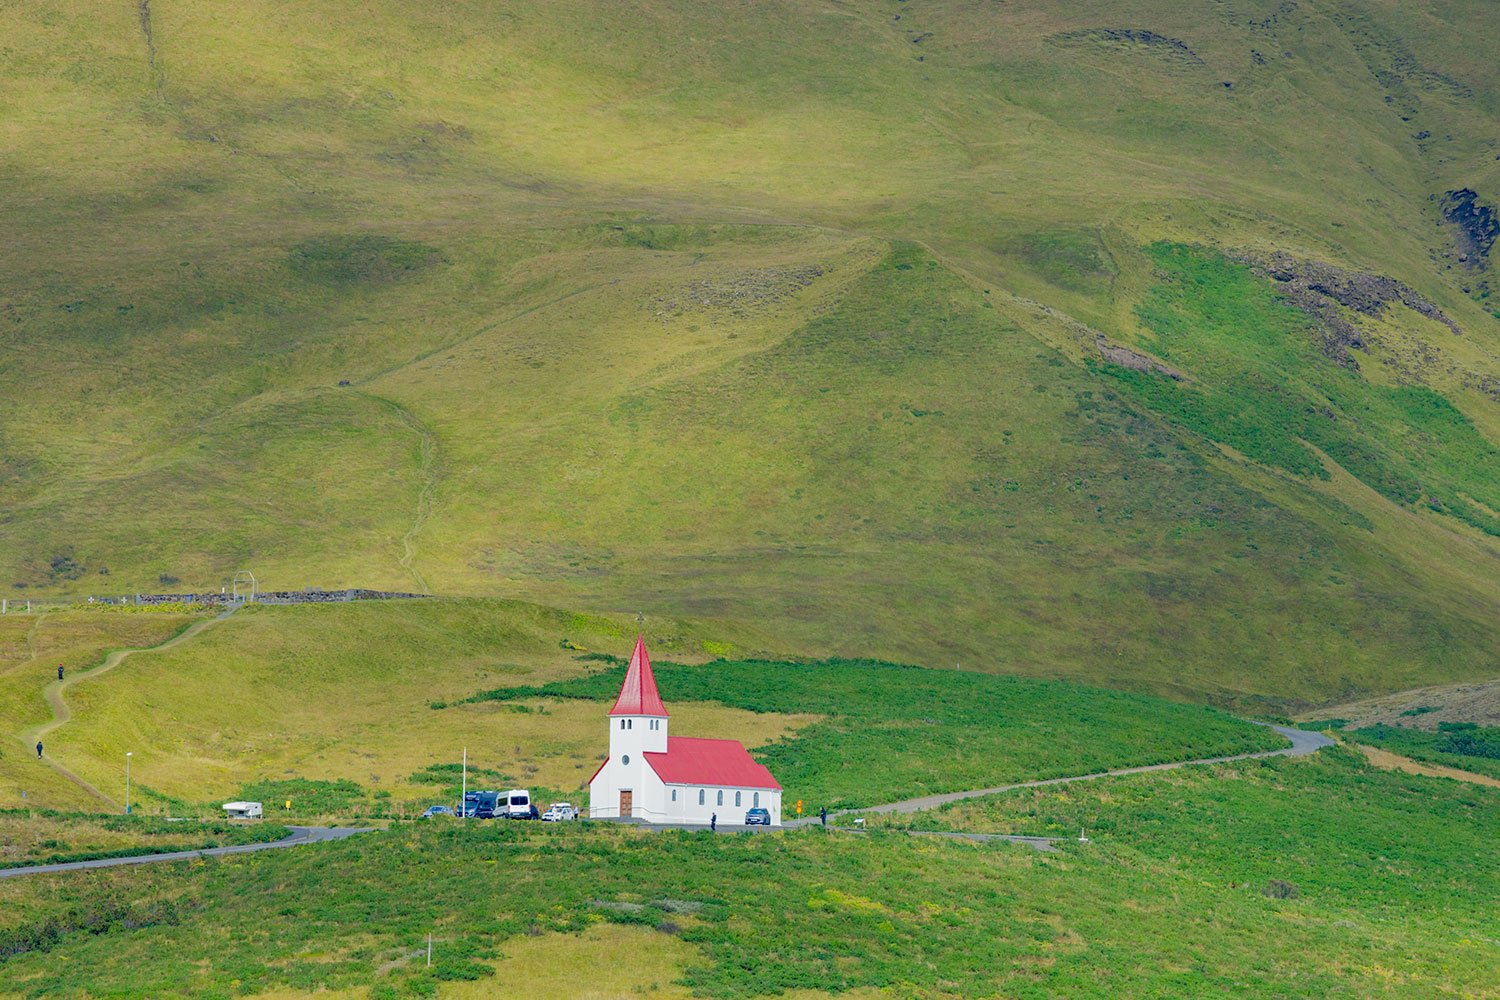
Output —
<point x="299" y="835"/>
<point x="1303" y="743"/>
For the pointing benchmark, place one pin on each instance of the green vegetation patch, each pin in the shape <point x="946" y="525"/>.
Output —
<point x="1342" y="831"/>
<point x="1073" y="259"/>
<point x="367" y="259"/>
<point x="311" y="797"/>
<point x="1261" y="386"/>
<point x="894" y="732"/>
<point x="1463" y="745"/>
<point x="1267" y="879"/>
<point x="44" y="837"/>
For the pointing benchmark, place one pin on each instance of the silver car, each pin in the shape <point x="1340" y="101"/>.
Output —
<point x="559" y="811"/>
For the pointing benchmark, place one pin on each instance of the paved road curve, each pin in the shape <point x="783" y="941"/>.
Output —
<point x="1303" y="743"/>
<point x="299" y="835"/>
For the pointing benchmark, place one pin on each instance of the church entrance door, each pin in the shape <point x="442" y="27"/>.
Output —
<point x="627" y="804"/>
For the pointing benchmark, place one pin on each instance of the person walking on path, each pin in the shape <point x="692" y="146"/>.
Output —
<point x="59" y="671"/>
<point x="823" y="815"/>
<point x="38" y="749"/>
<point x="713" y="821"/>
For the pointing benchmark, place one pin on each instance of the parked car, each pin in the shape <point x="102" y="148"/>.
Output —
<point x="758" y="817"/>
<point x="437" y="811"/>
<point x="485" y="804"/>
<point x="559" y="811"/>
<point x="517" y="805"/>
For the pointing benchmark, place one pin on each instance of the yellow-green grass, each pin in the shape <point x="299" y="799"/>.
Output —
<point x="477" y="215"/>
<point x="31" y="649"/>
<point x="342" y="691"/>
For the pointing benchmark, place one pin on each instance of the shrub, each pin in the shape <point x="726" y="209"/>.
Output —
<point x="1279" y="888"/>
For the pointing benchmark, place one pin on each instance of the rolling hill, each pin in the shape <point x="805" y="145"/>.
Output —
<point x="1140" y="343"/>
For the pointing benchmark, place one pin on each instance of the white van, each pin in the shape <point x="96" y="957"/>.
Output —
<point x="242" y="810"/>
<point x="518" y="804"/>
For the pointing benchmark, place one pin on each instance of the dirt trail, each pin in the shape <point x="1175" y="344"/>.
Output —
<point x="1395" y="762"/>
<point x="430" y="470"/>
<point x="425" y="498"/>
<point x="61" y="714"/>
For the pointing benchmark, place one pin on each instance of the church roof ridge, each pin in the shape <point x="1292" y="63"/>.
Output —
<point x="638" y="695"/>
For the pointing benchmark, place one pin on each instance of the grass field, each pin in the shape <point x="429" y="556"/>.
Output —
<point x="885" y="732"/>
<point x="330" y="693"/>
<point x="1316" y="876"/>
<point x="364" y="709"/>
<point x="798" y="332"/>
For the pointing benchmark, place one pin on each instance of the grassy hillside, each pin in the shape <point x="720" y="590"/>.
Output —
<point x="885" y="732"/>
<point x="365" y="709"/>
<point x="807" y="317"/>
<point x="1316" y="876"/>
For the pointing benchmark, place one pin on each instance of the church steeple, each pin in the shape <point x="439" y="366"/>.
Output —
<point x="638" y="694"/>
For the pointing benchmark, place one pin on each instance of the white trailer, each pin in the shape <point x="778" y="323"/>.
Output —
<point x="243" y="810"/>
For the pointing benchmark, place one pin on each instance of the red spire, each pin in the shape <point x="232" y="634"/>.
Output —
<point x="638" y="694"/>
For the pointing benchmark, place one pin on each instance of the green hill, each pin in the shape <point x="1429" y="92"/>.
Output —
<point x="1135" y="343"/>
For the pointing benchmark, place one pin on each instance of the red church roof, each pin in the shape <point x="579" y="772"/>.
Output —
<point x="638" y="694"/>
<point x="693" y="761"/>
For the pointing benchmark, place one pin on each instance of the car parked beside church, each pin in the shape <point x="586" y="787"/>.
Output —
<point x="653" y="777"/>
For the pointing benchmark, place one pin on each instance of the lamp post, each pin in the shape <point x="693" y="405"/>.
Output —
<point x="128" y="754"/>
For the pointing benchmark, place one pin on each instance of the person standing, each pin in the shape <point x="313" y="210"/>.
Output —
<point x="59" y="671"/>
<point x="38" y="749"/>
<point x="713" y="821"/>
<point x="823" y="815"/>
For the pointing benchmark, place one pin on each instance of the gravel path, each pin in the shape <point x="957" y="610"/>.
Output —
<point x="299" y="835"/>
<point x="1303" y="743"/>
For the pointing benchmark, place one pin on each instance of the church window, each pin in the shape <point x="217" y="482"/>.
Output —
<point x="674" y="795"/>
<point x="622" y="723"/>
<point x="755" y="800"/>
<point x="721" y="796"/>
<point x="700" y="796"/>
<point x="625" y="759"/>
<point x="736" y="799"/>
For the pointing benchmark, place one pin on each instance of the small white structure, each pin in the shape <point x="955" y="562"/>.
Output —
<point x="657" y="778"/>
<point x="242" y="810"/>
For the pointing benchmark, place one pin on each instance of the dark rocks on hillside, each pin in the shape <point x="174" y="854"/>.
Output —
<point x="1478" y="224"/>
<point x="1320" y="289"/>
<point x="1128" y="38"/>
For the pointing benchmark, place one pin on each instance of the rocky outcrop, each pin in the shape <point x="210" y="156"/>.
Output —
<point x="1478" y="224"/>
<point x="1321" y="289"/>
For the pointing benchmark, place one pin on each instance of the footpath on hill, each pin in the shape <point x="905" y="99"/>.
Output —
<point x="61" y="714"/>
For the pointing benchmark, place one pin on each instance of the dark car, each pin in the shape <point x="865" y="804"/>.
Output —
<point x="483" y="804"/>
<point x="437" y="811"/>
<point x="758" y="817"/>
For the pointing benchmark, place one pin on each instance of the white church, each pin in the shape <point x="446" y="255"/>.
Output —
<point x="656" y="778"/>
